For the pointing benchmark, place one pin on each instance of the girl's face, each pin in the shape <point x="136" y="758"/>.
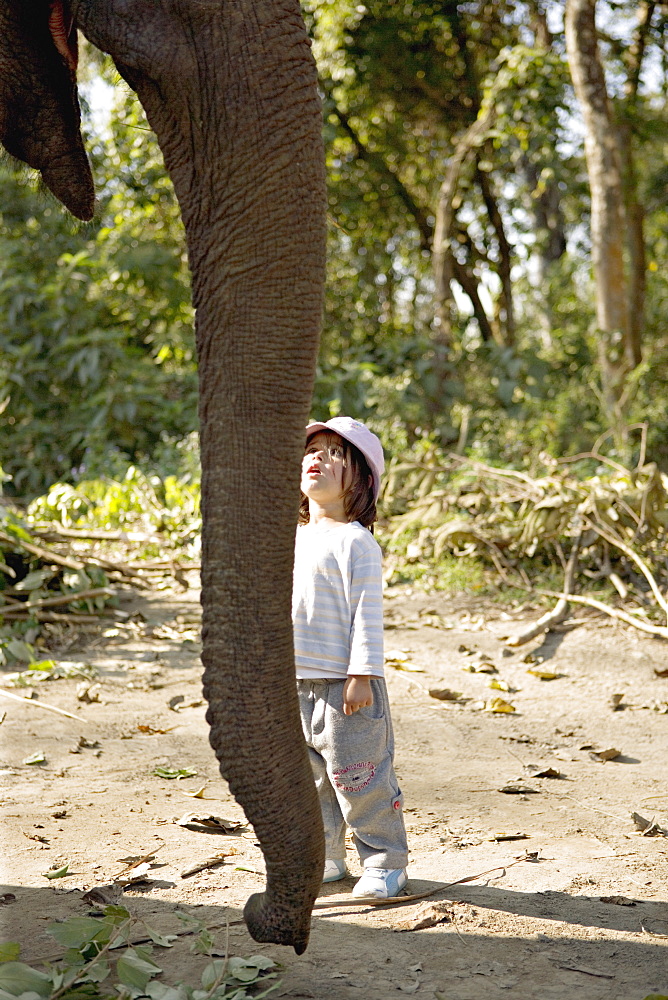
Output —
<point x="323" y="469"/>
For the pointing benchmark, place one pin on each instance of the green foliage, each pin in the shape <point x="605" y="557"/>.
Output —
<point x="38" y="670"/>
<point x="521" y="525"/>
<point x="96" y="333"/>
<point x="159" y="516"/>
<point x="401" y="84"/>
<point x="98" y="367"/>
<point x="89" y="971"/>
<point x="168" y="506"/>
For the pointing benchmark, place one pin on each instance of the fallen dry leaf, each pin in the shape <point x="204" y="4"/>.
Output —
<point x="426" y="915"/>
<point x="85" y="744"/>
<point x="543" y="772"/>
<point x="152" y="730"/>
<point x="138" y="873"/>
<point x="88" y="693"/>
<point x="616" y="701"/>
<point x="604" y="755"/>
<point x="434" y="620"/>
<point x="35" y="836"/>
<point x="519" y="790"/>
<point x="531" y="658"/>
<point x="498" y="685"/>
<point x="445" y="694"/>
<point x="499" y="705"/>
<point x="212" y="824"/>
<point x="509" y="836"/>
<point x="398" y="660"/>
<point x="397" y="654"/>
<point x="104" y="895"/>
<point x="618" y="900"/>
<point x="648" y="827"/>
<point x="480" y="668"/>
<point x="660" y="673"/>
<point x="199" y="794"/>
<point x="543" y="675"/>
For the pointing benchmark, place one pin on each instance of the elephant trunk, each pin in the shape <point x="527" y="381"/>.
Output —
<point x="239" y="123"/>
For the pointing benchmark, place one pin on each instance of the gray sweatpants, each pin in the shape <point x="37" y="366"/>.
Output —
<point x="351" y="757"/>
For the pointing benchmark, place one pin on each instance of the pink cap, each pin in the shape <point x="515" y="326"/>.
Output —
<point x="358" y="434"/>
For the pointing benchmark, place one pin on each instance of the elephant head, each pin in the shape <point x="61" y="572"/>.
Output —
<point x="229" y="86"/>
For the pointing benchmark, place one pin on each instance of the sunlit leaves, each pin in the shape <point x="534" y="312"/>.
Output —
<point x="97" y="322"/>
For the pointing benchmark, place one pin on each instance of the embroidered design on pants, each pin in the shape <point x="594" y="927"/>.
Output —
<point x="355" y="777"/>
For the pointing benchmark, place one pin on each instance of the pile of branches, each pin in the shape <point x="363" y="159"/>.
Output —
<point x="56" y="574"/>
<point x="607" y="532"/>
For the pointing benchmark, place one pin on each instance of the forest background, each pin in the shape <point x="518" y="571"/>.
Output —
<point x="495" y="302"/>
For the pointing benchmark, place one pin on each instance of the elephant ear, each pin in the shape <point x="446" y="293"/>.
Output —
<point x="39" y="108"/>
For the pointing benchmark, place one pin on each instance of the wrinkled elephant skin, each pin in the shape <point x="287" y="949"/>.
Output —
<point x="229" y="87"/>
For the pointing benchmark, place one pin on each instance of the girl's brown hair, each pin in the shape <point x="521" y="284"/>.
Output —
<point x="359" y="503"/>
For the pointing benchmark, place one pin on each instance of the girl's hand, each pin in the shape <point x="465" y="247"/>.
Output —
<point x="357" y="693"/>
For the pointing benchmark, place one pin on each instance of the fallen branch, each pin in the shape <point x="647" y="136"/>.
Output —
<point x="51" y="602"/>
<point x="163" y="564"/>
<point x="496" y="473"/>
<point x="48" y="532"/>
<point x="40" y="704"/>
<point x="398" y="900"/>
<point x="46" y="554"/>
<point x="14" y="614"/>
<point x="591" y="602"/>
<point x="640" y="563"/>
<point x="561" y="609"/>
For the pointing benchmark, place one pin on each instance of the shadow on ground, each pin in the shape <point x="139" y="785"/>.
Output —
<point x="454" y="961"/>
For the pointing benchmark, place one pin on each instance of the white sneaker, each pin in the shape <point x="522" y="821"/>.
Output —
<point x="381" y="883"/>
<point x="334" y="870"/>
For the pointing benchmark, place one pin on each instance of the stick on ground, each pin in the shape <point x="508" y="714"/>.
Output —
<point x="559" y="611"/>
<point x="40" y="704"/>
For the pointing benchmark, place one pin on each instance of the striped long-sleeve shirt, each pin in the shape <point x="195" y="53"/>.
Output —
<point x="337" y="602"/>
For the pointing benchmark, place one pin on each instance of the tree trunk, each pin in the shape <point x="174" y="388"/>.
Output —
<point x="635" y="214"/>
<point x="607" y="214"/>
<point x="505" y="311"/>
<point x="635" y="245"/>
<point x="445" y="217"/>
<point x="548" y="215"/>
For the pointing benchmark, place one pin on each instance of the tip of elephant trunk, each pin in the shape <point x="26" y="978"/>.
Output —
<point x="270" y="924"/>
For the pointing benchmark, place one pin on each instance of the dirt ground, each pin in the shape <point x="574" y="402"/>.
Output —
<point x="576" y="908"/>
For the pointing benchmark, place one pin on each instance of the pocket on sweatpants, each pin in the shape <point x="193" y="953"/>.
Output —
<point x="377" y="711"/>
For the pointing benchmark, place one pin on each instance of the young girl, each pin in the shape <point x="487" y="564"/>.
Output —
<point x="338" y="627"/>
